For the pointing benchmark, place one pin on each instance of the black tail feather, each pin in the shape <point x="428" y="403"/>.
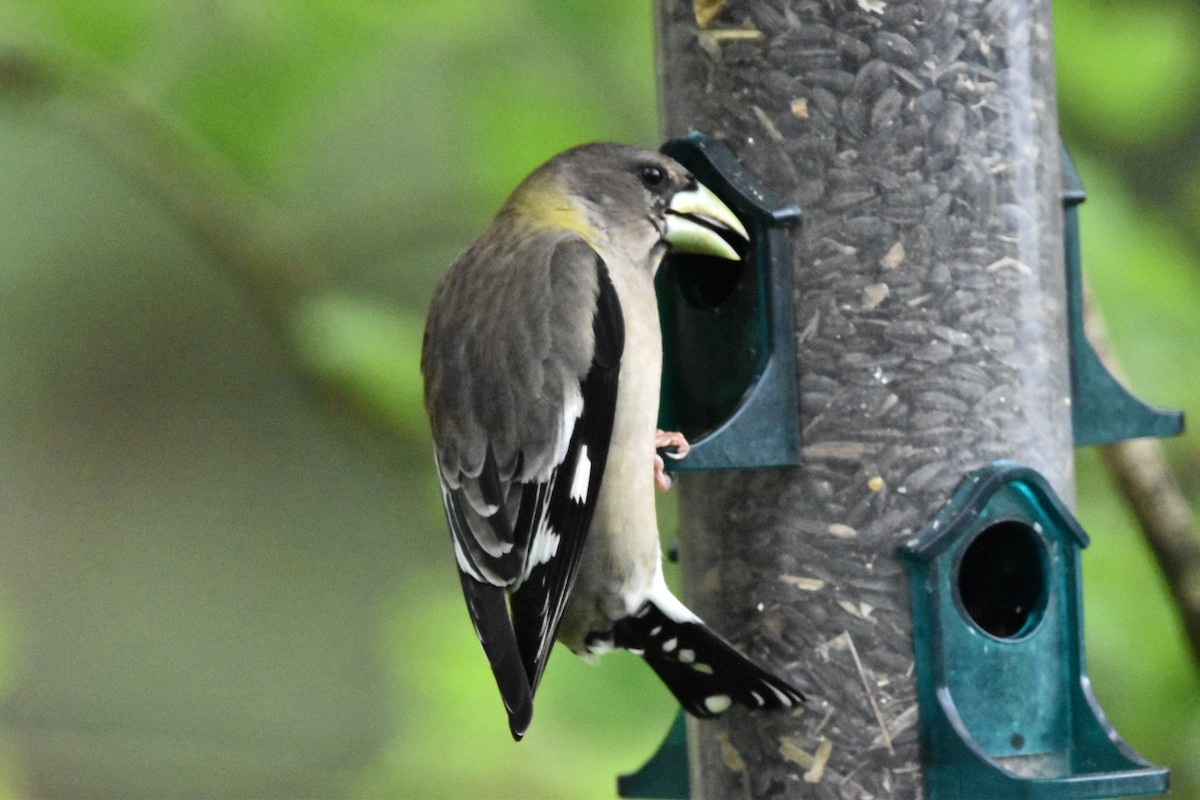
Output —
<point x="705" y="672"/>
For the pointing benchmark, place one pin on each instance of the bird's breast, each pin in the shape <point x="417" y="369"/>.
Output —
<point x="621" y="557"/>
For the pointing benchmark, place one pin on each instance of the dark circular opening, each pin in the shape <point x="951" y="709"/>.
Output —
<point x="708" y="282"/>
<point x="1002" y="579"/>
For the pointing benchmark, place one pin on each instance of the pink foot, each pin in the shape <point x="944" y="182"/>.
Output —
<point x="667" y="439"/>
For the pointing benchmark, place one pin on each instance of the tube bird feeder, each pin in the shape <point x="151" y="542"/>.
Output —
<point x="932" y="332"/>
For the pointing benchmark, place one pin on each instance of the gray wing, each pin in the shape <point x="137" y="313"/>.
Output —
<point x="521" y="399"/>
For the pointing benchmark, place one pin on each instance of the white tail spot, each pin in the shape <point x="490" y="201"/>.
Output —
<point x="717" y="703"/>
<point x="783" y="698"/>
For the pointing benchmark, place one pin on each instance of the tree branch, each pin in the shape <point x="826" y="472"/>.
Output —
<point x="1140" y="469"/>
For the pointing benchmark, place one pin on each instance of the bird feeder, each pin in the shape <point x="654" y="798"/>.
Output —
<point x="738" y="316"/>
<point x="1006" y="709"/>
<point x="937" y="330"/>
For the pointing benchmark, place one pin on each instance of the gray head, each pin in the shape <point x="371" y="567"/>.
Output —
<point x="639" y="201"/>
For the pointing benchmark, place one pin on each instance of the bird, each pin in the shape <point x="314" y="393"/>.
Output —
<point x="541" y="360"/>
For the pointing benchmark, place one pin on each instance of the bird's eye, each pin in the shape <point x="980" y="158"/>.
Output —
<point x="652" y="175"/>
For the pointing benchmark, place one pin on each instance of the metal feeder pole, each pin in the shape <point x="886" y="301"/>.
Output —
<point x="920" y="139"/>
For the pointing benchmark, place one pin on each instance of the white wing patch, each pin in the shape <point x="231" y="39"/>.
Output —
<point x="463" y="563"/>
<point x="582" y="477"/>
<point x="572" y="410"/>
<point x="542" y="547"/>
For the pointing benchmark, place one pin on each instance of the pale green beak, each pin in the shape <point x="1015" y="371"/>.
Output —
<point x="693" y="218"/>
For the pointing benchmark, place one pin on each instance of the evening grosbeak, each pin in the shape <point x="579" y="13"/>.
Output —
<point x="542" y="360"/>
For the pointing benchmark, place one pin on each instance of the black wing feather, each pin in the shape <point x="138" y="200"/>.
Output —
<point x="494" y="550"/>
<point x="537" y="605"/>
<point x="489" y="615"/>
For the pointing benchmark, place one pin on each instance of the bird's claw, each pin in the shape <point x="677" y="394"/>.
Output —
<point x="672" y="439"/>
<point x="681" y="447"/>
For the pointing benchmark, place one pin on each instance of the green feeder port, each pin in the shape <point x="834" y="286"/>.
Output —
<point x="1102" y="410"/>
<point x="1006" y="708"/>
<point x="665" y="775"/>
<point x="729" y="358"/>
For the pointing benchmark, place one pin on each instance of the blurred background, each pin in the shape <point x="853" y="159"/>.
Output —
<point x="213" y="583"/>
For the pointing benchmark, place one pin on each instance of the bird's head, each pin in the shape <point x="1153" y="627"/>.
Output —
<point x="639" y="201"/>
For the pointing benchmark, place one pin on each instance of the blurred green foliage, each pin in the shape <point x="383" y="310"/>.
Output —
<point x="209" y="585"/>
